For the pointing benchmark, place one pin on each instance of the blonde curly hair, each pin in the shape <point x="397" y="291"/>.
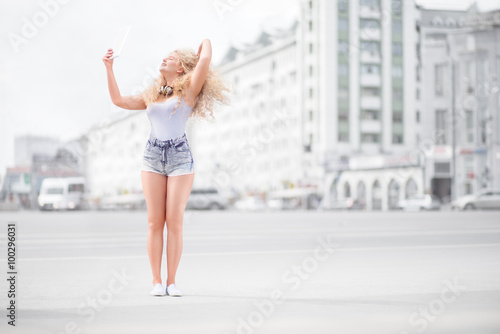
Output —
<point x="211" y="91"/>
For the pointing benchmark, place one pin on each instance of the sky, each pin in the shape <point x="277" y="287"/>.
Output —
<point x="52" y="78"/>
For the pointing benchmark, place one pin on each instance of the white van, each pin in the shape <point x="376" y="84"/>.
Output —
<point x="61" y="193"/>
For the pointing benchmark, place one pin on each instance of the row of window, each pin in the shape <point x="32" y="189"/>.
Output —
<point x="372" y="4"/>
<point x="343" y="68"/>
<point x="397" y="70"/>
<point x="374" y="48"/>
<point x="259" y="88"/>
<point x="370" y="24"/>
<point x="396" y="5"/>
<point x="370" y="138"/>
<point x="471" y="71"/>
<point x="371" y="46"/>
<point x="367" y="114"/>
<point x="472" y="128"/>
<point x="393" y="188"/>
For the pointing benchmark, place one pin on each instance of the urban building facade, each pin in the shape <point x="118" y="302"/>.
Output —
<point x="347" y="81"/>
<point x="460" y="119"/>
<point x="38" y="158"/>
<point x="352" y="101"/>
<point x="359" y="59"/>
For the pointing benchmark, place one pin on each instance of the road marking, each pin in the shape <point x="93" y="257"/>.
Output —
<point x="127" y="237"/>
<point x="289" y="251"/>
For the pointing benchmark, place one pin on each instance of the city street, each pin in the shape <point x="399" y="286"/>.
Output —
<point x="262" y="272"/>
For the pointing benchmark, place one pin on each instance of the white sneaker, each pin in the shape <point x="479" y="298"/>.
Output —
<point x="157" y="290"/>
<point x="172" y="290"/>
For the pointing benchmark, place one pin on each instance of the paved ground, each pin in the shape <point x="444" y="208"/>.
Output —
<point x="276" y="272"/>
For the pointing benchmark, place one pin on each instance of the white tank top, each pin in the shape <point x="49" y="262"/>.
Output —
<point x="165" y="126"/>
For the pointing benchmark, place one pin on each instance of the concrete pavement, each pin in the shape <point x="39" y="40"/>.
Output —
<point x="269" y="272"/>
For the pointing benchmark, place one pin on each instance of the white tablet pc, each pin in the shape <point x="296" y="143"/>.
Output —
<point x="120" y="38"/>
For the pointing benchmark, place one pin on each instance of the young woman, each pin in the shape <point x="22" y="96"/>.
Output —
<point x="186" y="87"/>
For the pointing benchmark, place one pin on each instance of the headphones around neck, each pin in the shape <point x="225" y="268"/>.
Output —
<point x="166" y="90"/>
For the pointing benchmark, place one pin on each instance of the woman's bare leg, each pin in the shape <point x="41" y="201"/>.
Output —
<point x="178" y="190"/>
<point x="154" y="186"/>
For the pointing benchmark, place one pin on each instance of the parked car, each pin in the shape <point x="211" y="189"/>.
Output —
<point x="283" y="203"/>
<point x="207" y="198"/>
<point x="340" y="204"/>
<point x="420" y="202"/>
<point x="275" y="204"/>
<point x="250" y="203"/>
<point x="486" y="199"/>
<point x="62" y="193"/>
<point x="123" y="202"/>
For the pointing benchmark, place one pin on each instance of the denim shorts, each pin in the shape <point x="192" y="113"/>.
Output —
<point x="170" y="157"/>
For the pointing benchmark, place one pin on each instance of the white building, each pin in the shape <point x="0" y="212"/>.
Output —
<point x="347" y="79"/>
<point x="460" y="47"/>
<point x="435" y="133"/>
<point x="359" y="61"/>
<point x="27" y="145"/>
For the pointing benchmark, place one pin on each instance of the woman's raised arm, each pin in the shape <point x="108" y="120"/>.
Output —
<point x="131" y="102"/>
<point x="201" y="69"/>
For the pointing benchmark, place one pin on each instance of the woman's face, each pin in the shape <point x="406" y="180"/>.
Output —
<point x="170" y="63"/>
